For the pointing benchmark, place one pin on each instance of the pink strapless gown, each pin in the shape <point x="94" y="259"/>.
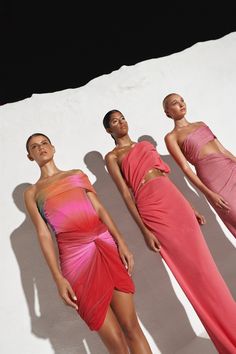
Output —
<point x="166" y="212"/>
<point x="89" y="257"/>
<point x="216" y="171"/>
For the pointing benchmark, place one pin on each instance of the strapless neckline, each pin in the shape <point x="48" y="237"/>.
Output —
<point x="192" y="133"/>
<point x="128" y="152"/>
<point x="55" y="182"/>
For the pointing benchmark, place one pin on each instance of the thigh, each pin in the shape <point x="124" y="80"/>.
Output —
<point x="112" y="335"/>
<point x="124" y="308"/>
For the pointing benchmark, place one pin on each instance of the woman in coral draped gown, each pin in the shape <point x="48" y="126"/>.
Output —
<point x="214" y="165"/>
<point x="170" y="226"/>
<point x="94" y="275"/>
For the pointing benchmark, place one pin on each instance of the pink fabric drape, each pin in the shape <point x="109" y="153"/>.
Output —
<point x="217" y="171"/>
<point x="166" y="212"/>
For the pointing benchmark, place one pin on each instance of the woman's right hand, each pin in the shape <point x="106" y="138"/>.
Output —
<point x="126" y="256"/>
<point x="66" y="292"/>
<point x="219" y="201"/>
<point x="151" y="241"/>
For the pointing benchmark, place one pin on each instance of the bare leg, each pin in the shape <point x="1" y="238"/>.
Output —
<point x="112" y="336"/>
<point x="123" y="307"/>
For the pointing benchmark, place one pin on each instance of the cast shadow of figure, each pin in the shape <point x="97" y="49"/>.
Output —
<point x="49" y="317"/>
<point x="223" y="252"/>
<point x="156" y="302"/>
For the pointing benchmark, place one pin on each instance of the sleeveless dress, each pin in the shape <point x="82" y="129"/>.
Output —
<point x="169" y="216"/>
<point x="217" y="171"/>
<point x="88" y="254"/>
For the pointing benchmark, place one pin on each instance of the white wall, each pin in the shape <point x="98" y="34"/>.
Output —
<point x="33" y="318"/>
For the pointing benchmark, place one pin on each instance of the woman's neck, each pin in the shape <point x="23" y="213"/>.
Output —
<point x="49" y="170"/>
<point x="124" y="141"/>
<point x="181" y="123"/>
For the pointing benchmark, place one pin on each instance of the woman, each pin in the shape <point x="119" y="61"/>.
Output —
<point x="169" y="225"/>
<point x="95" y="263"/>
<point x="215" y="166"/>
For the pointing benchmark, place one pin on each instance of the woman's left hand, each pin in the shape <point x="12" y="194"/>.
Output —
<point x="200" y="218"/>
<point x="126" y="256"/>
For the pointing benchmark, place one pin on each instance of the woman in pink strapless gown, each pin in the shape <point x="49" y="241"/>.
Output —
<point x="170" y="226"/>
<point x="214" y="165"/>
<point x="95" y="263"/>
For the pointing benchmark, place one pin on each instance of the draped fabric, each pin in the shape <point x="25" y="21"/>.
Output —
<point x="216" y="170"/>
<point x="194" y="141"/>
<point x="89" y="257"/>
<point x="166" y="212"/>
<point x="136" y="170"/>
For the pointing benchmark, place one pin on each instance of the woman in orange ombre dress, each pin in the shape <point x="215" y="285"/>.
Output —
<point x="94" y="275"/>
<point x="170" y="226"/>
<point x="215" y="166"/>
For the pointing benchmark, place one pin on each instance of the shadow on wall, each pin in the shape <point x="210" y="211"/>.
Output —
<point x="155" y="298"/>
<point x="49" y="317"/>
<point x="156" y="302"/>
<point x="223" y="252"/>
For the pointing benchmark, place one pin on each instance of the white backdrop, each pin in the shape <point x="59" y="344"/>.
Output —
<point x="33" y="318"/>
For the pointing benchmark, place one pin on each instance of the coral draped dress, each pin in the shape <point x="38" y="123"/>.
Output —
<point x="166" y="212"/>
<point x="89" y="257"/>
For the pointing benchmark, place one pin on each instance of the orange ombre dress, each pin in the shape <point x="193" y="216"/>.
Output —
<point x="169" y="216"/>
<point x="89" y="257"/>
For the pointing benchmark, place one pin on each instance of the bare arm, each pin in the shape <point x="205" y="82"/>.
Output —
<point x="114" y="171"/>
<point x="104" y="216"/>
<point x="47" y="246"/>
<point x="175" y="151"/>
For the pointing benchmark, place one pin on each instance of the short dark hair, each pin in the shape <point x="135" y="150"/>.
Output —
<point x="107" y="118"/>
<point x="32" y="136"/>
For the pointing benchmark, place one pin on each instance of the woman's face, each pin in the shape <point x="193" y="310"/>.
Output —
<point x="40" y="150"/>
<point x="118" y="125"/>
<point x="175" y="107"/>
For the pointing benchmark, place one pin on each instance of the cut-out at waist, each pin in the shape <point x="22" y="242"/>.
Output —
<point x="150" y="174"/>
<point x="209" y="148"/>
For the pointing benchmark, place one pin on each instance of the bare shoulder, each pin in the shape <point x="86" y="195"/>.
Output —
<point x="30" y="191"/>
<point x="198" y="123"/>
<point x="111" y="156"/>
<point x="76" y="171"/>
<point x="171" y="136"/>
